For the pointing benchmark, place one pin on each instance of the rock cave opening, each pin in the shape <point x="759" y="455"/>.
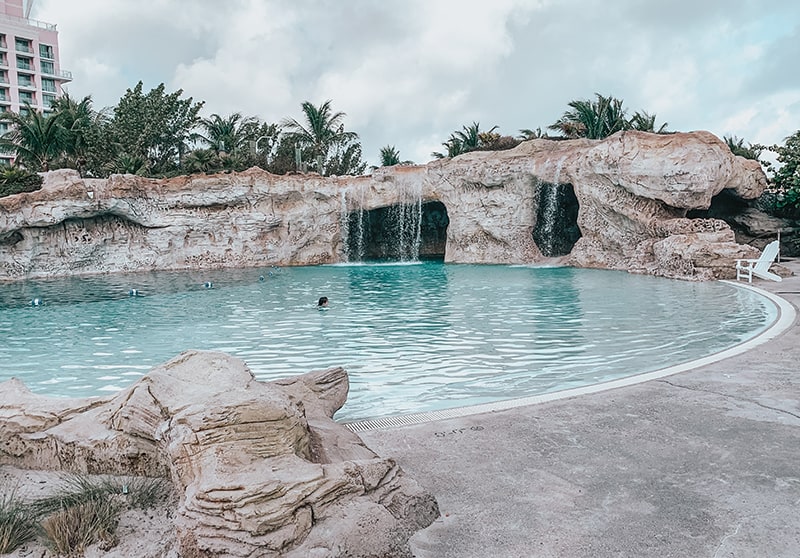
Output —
<point x="723" y="206"/>
<point x="404" y="232"/>
<point x="556" y="230"/>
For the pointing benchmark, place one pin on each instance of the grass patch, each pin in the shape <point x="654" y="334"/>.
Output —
<point x="144" y="492"/>
<point x="135" y="492"/>
<point x="17" y="523"/>
<point x="80" y="512"/>
<point x="72" y="529"/>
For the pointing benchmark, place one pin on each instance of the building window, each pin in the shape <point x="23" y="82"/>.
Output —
<point x="48" y="68"/>
<point x="22" y="45"/>
<point x="48" y="100"/>
<point x="24" y="63"/>
<point x="3" y="40"/>
<point x="26" y="97"/>
<point x="4" y="96"/>
<point x="46" y="51"/>
<point x="3" y="59"/>
<point x="26" y="81"/>
<point x="24" y="112"/>
<point x="3" y="76"/>
<point x="49" y="85"/>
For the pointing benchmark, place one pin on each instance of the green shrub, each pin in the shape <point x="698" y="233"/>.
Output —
<point x="14" y="180"/>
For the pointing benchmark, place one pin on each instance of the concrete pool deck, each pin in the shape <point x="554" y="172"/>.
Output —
<point x="704" y="463"/>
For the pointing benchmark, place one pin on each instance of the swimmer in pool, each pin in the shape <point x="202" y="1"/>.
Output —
<point x="323" y="302"/>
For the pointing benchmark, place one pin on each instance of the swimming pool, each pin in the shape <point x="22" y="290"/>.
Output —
<point x="413" y="337"/>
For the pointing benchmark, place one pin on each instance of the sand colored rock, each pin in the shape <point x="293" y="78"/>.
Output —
<point x="260" y="469"/>
<point x="633" y="191"/>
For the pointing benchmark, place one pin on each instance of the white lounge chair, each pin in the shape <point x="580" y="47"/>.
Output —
<point x="759" y="267"/>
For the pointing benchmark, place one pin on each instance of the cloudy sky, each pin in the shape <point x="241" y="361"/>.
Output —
<point x="409" y="72"/>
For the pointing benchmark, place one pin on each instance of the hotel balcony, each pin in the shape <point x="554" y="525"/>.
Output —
<point x="60" y="75"/>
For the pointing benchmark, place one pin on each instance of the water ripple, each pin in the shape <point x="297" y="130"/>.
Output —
<point x="412" y="337"/>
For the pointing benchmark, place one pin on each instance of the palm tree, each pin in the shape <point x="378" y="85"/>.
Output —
<point x="225" y="135"/>
<point x="201" y="160"/>
<point x="473" y="138"/>
<point x="454" y="147"/>
<point x="322" y="130"/>
<point x="389" y="156"/>
<point x="645" y="122"/>
<point x="528" y="134"/>
<point x="125" y="163"/>
<point x="469" y="138"/>
<point x="81" y="125"/>
<point x="37" y="139"/>
<point x="592" y="119"/>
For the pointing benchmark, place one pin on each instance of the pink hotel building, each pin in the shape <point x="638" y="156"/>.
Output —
<point x="29" y="69"/>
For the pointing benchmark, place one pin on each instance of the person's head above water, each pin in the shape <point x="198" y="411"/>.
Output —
<point x="323" y="301"/>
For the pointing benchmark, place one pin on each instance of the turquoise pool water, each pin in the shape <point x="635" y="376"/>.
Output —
<point x="413" y="337"/>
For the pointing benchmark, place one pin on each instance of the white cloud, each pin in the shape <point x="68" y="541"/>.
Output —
<point x="409" y="72"/>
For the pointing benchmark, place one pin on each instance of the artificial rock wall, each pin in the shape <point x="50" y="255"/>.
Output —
<point x="634" y="190"/>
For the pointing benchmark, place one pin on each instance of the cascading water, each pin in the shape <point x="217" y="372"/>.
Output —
<point x="393" y="232"/>
<point x="556" y="229"/>
<point x="549" y="200"/>
<point x="404" y="224"/>
<point x="353" y="225"/>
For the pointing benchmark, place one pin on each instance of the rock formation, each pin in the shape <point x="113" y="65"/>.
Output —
<point x="260" y="469"/>
<point x="630" y="195"/>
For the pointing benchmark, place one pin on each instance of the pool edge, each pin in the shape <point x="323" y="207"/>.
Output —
<point x="786" y="317"/>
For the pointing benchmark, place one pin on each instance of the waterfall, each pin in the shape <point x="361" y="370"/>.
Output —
<point x="352" y="225"/>
<point x="549" y="201"/>
<point x="393" y="232"/>
<point x="556" y="232"/>
<point x="404" y="227"/>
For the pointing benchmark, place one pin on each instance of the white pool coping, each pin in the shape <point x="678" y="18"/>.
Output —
<point x="786" y="317"/>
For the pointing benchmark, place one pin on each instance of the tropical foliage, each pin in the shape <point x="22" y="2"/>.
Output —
<point x="390" y="156"/>
<point x="601" y="117"/>
<point x="472" y="138"/>
<point x="14" y="180"/>
<point x="738" y="147"/>
<point x="226" y="134"/>
<point x="154" y="126"/>
<point x="528" y="134"/>
<point x="785" y="178"/>
<point x="160" y="133"/>
<point x="36" y="139"/>
<point x="325" y="145"/>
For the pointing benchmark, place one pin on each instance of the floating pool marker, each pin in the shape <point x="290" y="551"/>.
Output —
<point x="133" y="292"/>
<point x="209" y="285"/>
<point x="260" y="277"/>
<point x="37" y="302"/>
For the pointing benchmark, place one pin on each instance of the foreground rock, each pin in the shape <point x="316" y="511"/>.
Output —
<point x="260" y="469"/>
<point x="618" y="203"/>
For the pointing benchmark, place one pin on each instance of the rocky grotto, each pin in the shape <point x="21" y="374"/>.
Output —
<point x="619" y="203"/>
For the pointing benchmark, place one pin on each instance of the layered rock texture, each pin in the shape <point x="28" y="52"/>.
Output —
<point x="617" y="203"/>
<point x="260" y="469"/>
